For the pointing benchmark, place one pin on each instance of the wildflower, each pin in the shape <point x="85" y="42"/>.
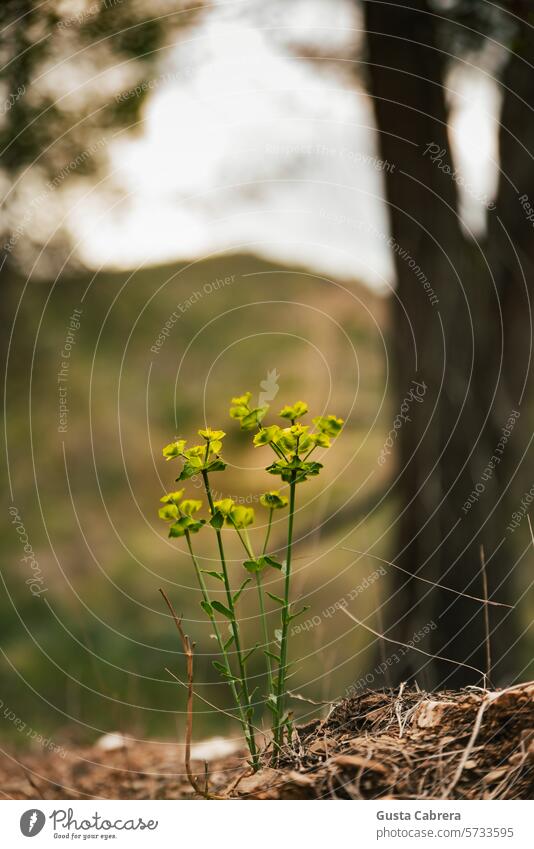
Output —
<point x="299" y="409"/>
<point x="273" y="500"/>
<point x="180" y="513"/>
<point x="267" y="435"/>
<point x="330" y="425"/>
<point x="174" y="449"/>
<point x="249" y="418"/>
<point x="235" y="515"/>
<point x="172" y="497"/>
<point x="212" y="435"/>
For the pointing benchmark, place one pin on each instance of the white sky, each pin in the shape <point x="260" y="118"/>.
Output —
<point x="230" y="155"/>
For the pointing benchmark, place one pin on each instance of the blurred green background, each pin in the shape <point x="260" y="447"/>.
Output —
<point x="94" y="642"/>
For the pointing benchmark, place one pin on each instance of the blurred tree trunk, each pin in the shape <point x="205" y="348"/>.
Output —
<point x="511" y="234"/>
<point x="452" y="345"/>
<point x="511" y="253"/>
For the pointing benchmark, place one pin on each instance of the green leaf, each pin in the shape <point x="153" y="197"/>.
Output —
<point x="253" y="565"/>
<point x="178" y="529"/>
<point x="194" y="527"/>
<point x="216" y="465"/>
<point x="185" y="525"/>
<point x="228" y="643"/>
<point x="217" y="520"/>
<point x="271" y="703"/>
<point x="249" y="653"/>
<point x="296" y="467"/>
<point x="260" y="563"/>
<point x="240" y="590"/>
<point x="253" y="419"/>
<point x="308" y="470"/>
<point x="225" y="672"/>
<point x="188" y="471"/>
<point x="276" y="598"/>
<point x="272" y="655"/>
<point x="272" y="562"/>
<point x="206" y="607"/>
<point x="218" y="575"/>
<point x="220" y="608"/>
<point x="300" y="612"/>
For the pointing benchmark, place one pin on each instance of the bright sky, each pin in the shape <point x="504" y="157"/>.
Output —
<point x="245" y="147"/>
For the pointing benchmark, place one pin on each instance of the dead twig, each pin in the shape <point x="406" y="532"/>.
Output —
<point x="398" y="708"/>
<point x="188" y="651"/>
<point x="227" y="713"/>
<point x="427" y="581"/>
<point x="300" y="698"/>
<point x="486" y="615"/>
<point x="407" y="646"/>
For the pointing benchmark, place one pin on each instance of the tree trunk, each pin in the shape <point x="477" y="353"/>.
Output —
<point x="443" y="301"/>
<point x="511" y="252"/>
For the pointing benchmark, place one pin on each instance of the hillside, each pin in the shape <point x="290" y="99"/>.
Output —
<point x="104" y="369"/>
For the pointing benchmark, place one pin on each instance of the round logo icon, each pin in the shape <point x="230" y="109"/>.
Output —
<point x="32" y="822"/>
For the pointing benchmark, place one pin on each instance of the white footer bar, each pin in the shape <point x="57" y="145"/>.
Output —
<point x="268" y="825"/>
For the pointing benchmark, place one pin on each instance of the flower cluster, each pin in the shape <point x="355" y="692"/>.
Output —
<point x="180" y="512"/>
<point x="249" y="417"/>
<point x="198" y="458"/>
<point x="292" y="445"/>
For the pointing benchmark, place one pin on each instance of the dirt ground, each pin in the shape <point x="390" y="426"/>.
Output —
<point x="403" y="744"/>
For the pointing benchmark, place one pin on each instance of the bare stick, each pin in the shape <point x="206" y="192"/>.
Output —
<point x="381" y="644"/>
<point x="427" y="581"/>
<point x="300" y="698"/>
<point x="407" y="646"/>
<point x="486" y="614"/>
<point x="188" y="651"/>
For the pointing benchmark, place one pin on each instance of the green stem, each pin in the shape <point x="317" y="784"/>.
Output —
<point x="268" y="534"/>
<point x="217" y="633"/>
<point x="280" y="694"/>
<point x="277" y="450"/>
<point x="265" y="630"/>
<point x="262" y="605"/>
<point x="235" y="629"/>
<point x="248" y="548"/>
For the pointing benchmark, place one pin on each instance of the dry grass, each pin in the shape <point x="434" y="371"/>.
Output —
<point x="404" y="744"/>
